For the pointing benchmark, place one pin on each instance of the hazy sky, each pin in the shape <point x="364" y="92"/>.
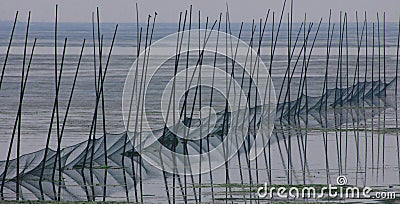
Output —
<point x="240" y="10"/>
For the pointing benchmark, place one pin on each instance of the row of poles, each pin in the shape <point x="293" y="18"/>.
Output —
<point x="284" y="97"/>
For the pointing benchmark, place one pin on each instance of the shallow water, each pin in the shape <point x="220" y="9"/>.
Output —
<point x="374" y="164"/>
